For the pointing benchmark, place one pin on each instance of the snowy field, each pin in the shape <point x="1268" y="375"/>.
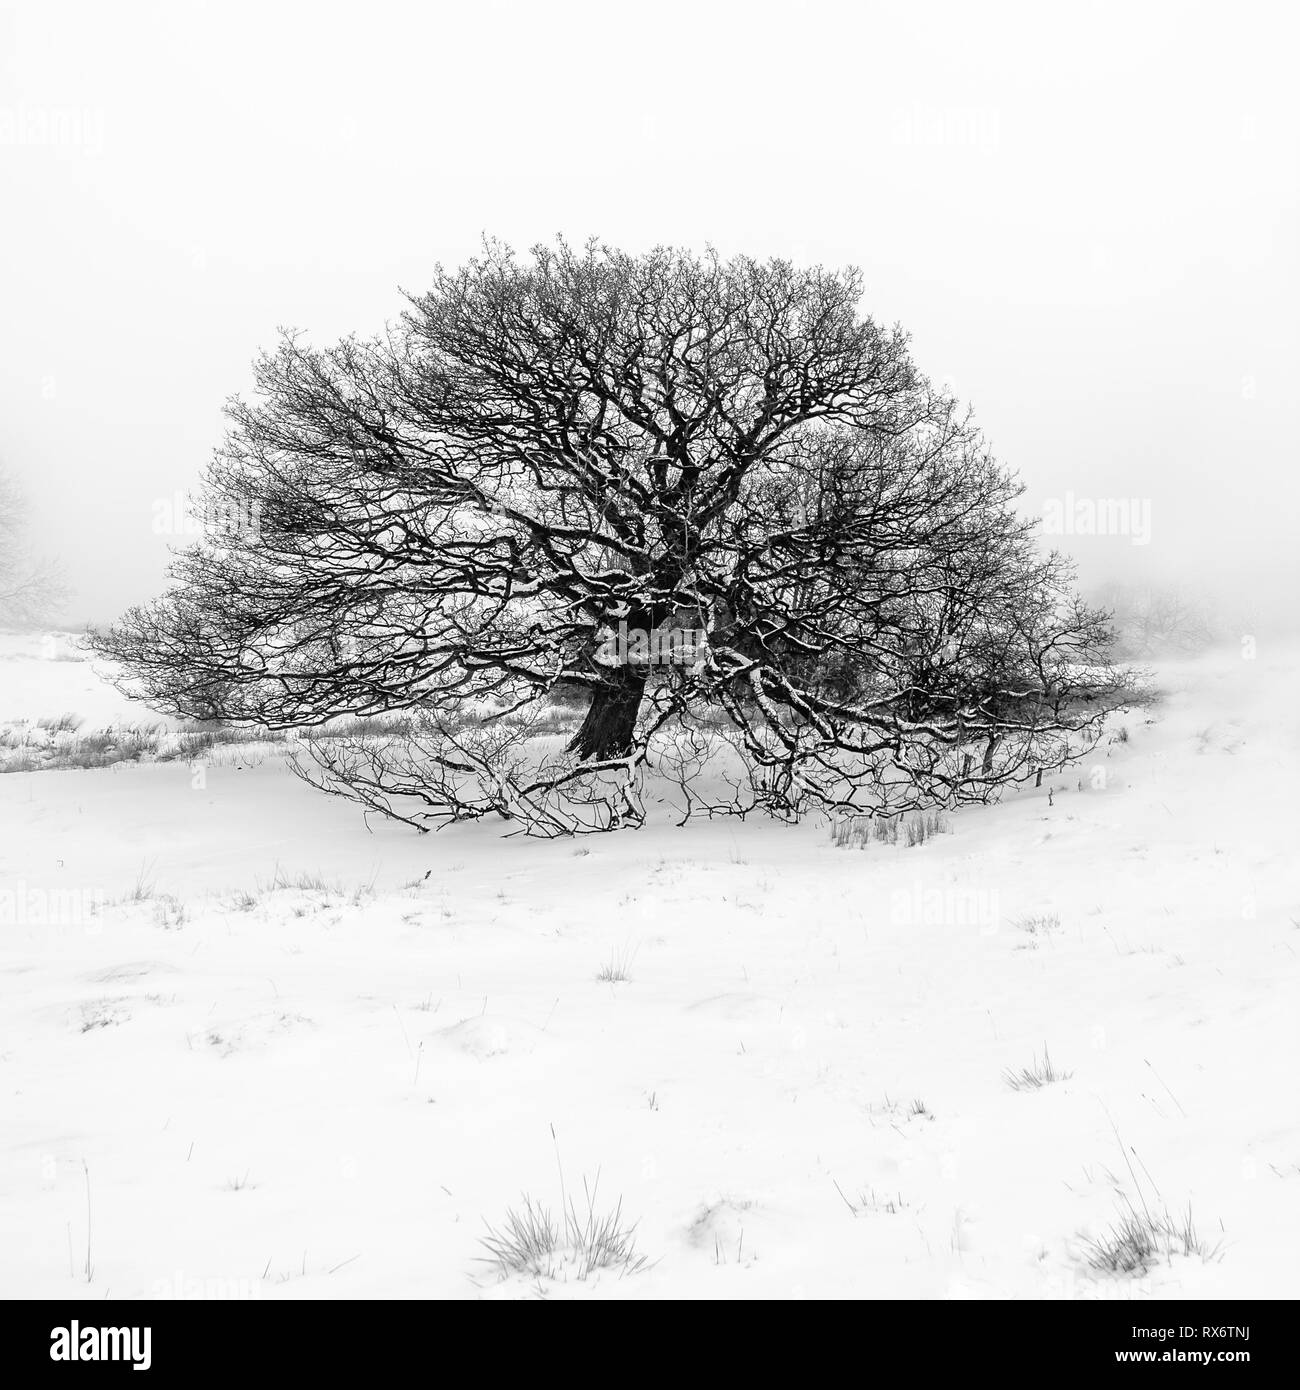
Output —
<point x="250" y="1047"/>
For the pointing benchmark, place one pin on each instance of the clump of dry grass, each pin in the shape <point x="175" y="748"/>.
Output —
<point x="851" y="832"/>
<point x="857" y="832"/>
<point x="1033" y="1077"/>
<point x="1139" y="1240"/>
<point x="617" y="970"/>
<point x="170" y="912"/>
<point x="870" y="1201"/>
<point x="1142" y="1238"/>
<point x="531" y="1242"/>
<point x="56" y="743"/>
<point x="925" y="827"/>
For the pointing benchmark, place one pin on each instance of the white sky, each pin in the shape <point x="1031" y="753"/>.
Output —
<point x="1085" y="215"/>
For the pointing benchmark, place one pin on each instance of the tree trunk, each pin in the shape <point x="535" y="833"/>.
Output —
<point x="610" y="722"/>
<point x="988" y="753"/>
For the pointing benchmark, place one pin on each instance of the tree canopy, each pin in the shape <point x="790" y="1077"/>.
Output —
<point x="469" y="516"/>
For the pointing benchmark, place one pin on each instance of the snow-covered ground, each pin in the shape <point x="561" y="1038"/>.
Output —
<point x="47" y="674"/>
<point x="226" y="1087"/>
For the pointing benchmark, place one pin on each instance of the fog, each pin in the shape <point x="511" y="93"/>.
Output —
<point x="1086" y="218"/>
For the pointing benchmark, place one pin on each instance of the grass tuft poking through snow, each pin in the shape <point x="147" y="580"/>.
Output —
<point x="868" y="1201"/>
<point x="617" y="970"/>
<point x="170" y="912"/>
<point x="1138" y="1241"/>
<point x="1042" y="924"/>
<point x="1033" y="1077"/>
<point x="144" y="888"/>
<point x="858" y="831"/>
<point x="529" y="1242"/>
<point x="925" y="827"/>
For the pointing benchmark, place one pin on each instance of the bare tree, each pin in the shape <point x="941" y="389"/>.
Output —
<point x="545" y="467"/>
<point x="31" y="587"/>
<point x="1157" y="620"/>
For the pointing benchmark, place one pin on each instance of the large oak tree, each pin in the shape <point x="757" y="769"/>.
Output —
<point x="472" y="511"/>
